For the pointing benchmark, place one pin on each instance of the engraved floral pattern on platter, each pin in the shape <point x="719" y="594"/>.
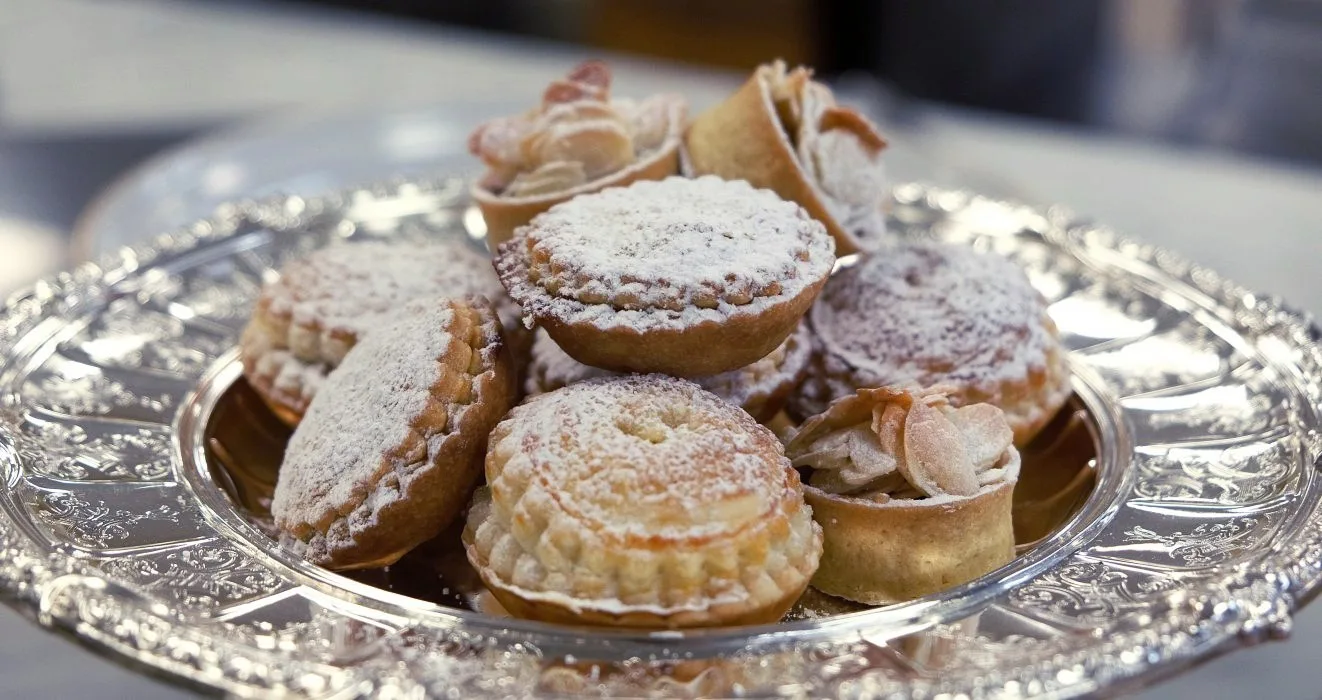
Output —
<point x="95" y="523"/>
<point x="1194" y="558"/>
<point x="77" y="392"/>
<point x="1090" y="593"/>
<point x="65" y="451"/>
<point x="200" y="577"/>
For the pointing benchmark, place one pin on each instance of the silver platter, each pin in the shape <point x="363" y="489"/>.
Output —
<point x="1203" y="531"/>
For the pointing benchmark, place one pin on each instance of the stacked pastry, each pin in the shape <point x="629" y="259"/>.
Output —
<point x="675" y="316"/>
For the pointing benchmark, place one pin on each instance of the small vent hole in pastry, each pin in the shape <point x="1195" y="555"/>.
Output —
<point x="651" y="432"/>
<point x="676" y="417"/>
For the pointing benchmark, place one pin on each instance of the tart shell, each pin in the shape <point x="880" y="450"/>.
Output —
<point x="883" y="553"/>
<point x="743" y="139"/>
<point x="504" y="214"/>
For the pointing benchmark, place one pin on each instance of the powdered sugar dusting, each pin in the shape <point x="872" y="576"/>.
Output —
<point x="922" y="314"/>
<point x="650" y="455"/>
<point x="665" y="253"/>
<point x="290" y="375"/>
<point x="347" y="288"/>
<point x="364" y="414"/>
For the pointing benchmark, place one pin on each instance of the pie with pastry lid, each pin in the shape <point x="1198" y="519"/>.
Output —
<point x="688" y="277"/>
<point x="392" y="445"/>
<point x="308" y="318"/>
<point x="925" y="314"/>
<point x="640" y="501"/>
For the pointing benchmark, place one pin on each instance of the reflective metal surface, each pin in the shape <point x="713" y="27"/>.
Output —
<point x="1203" y="530"/>
<point x="233" y="450"/>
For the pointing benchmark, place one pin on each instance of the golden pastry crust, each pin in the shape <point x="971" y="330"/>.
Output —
<point x="913" y="494"/>
<point x="927" y="314"/>
<point x="760" y="388"/>
<point x="785" y="132"/>
<point x="640" y="501"/>
<point x="305" y="322"/>
<point x="687" y="277"/>
<point x="392" y="445"/>
<point x="578" y="141"/>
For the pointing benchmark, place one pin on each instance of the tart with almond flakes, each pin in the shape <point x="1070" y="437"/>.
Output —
<point x="784" y="131"/>
<point x="913" y="494"/>
<point x="579" y="140"/>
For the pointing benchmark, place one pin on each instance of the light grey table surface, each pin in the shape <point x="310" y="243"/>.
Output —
<point x="81" y="65"/>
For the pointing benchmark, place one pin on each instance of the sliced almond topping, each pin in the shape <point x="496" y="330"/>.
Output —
<point x="590" y="80"/>
<point x="849" y="459"/>
<point x="556" y="176"/>
<point x="936" y="461"/>
<point x="986" y="434"/>
<point x="907" y="444"/>
<point x="498" y="142"/>
<point x="846" y="119"/>
<point x="592" y="72"/>
<point x="588" y="132"/>
<point x="888" y="424"/>
<point x="649" y="121"/>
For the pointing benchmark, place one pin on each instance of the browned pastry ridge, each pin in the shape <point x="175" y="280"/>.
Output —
<point x="306" y="320"/>
<point x="760" y="388"/>
<point x="928" y="314"/>
<point x="640" y="501"/>
<point x="784" y="131"/>
<point x="913" y="495"/>
<point x="392" y="445"/>
<point x="686" y="277"/>
<point x="578" y="140"/>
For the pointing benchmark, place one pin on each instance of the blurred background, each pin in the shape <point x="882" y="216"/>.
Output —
<point x="1242" y="74"/>
<point x="1193" y="124"/>
<point x="1004" y="97"/>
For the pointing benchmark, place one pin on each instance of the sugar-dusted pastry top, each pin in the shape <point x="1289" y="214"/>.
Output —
<point x="666" y="253"/>
<point x="837" y="147"/>
<point x="380" y="418"/>
<point x="649" y="456"/>
<point x="642" y="492"/>
<point x="888" y="443"/>
<point x="551" y="368"/>
<point x="923" y="314"/>
<point x="577" y="135"/>
<point x="345" y="289"/>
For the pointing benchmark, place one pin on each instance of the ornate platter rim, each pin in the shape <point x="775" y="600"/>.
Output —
<point x="953" y="603"/>
<point x="1250" y="601"/>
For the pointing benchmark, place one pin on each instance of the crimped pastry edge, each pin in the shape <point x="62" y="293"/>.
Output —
<point x="461" y="445"/>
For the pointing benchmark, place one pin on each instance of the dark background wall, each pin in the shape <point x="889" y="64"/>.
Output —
<point x="1240" y="74"/>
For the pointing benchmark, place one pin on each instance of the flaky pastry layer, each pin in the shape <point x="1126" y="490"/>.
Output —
<point x="592" y="516"/>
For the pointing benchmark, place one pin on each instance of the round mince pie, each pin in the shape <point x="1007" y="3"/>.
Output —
<point x="760" y="388"/>
<point x="686" y="277"/>
<point x="578" y="140"/>
<point x="640" y="501"/>
<point x="305" y="322"/>
<point x="784" y="131"/>
<point x="923" y="314"/>
<point x="913" y="494"/>
<point x="392" y="445"/>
